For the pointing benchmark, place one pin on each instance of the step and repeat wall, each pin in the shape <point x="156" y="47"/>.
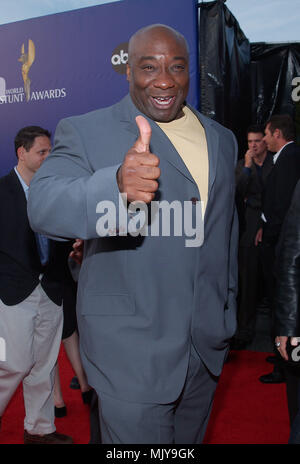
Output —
<point x="71" y="63"/>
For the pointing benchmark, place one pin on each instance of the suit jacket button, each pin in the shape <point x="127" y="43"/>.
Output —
<point x="194" y="200"/>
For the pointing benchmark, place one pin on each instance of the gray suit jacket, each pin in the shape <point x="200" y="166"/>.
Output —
<point x="141" y="300"/>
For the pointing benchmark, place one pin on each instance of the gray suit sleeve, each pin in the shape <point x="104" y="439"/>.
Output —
<point x="64" y="193"/>
<point x="233" y="255"/>
<point x="233" y="263"/>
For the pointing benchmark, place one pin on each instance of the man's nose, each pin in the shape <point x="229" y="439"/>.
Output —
<point x="164" y="80"/>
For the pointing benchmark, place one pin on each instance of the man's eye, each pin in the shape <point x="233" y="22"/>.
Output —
<point x="178" y="67"/>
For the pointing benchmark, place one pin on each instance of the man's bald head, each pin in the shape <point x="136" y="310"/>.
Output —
<point x="158" y="72"/>
<point x="155" y="31"/>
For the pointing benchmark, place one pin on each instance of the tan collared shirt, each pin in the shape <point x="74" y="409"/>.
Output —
<point x="188" y="137"/>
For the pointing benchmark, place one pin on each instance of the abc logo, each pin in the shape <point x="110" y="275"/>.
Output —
<point x="120" y="57"/>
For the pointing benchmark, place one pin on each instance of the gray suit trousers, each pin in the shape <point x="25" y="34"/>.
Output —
<point x="183" y="421"/>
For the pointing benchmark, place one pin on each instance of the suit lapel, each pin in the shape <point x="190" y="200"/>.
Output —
<point x="268" y="167"/>
<point x="212" y="140"/>
<point x="22" y="221"/>
<point x="162" y="145"/>
<point x="17" y="191"/>
<point x="285" y="150"/>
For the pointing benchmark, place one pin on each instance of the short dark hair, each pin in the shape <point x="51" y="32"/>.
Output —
<point x="256" y="129"/>
<point x="27" y="135"/>
<point x="283" y="122"/>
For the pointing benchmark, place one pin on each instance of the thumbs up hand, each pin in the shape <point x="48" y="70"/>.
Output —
<point x="137" y="176"/>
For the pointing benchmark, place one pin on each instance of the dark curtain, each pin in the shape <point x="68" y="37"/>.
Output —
<point x="224" y="60"/>
<point x="243" y="83"/>
<point x="273" y="68"/>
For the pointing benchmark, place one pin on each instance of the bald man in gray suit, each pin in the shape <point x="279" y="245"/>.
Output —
<point x="156" y="307"/>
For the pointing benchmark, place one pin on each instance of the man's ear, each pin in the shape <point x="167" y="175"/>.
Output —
<point x="128" y="72"/>
<point x="20" y="153"/>
<point x="277" y="133"/>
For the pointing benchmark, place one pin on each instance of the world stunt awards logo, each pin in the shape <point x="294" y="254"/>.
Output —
<point x="25" y="93"/>
<point x="27" y="59"/>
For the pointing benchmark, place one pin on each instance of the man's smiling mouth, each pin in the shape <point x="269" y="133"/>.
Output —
<point x="163" y="102"/>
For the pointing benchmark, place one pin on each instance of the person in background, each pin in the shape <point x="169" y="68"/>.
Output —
<point x="280" y="139"/>
<point x="251" y="175"/>
<point x="70" y="341"/>
<point x="31" y="317"/>
<point x="287" y="309"/>
<point x="76" y="257"/>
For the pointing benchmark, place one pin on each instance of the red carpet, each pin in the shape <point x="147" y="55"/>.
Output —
<point x="76" y="423"/>
<point x="245" y="410"/>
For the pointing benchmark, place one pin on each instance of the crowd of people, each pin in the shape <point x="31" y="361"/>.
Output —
<point x="155" y="318"/>
<point x="266" y="180"/>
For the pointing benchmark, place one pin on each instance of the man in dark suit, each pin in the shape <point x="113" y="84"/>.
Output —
<point x="287" y="309"/>
<point x="155" y="313"/>
<point x="251" y="175"/>
<point x="280" y="139"/>
<point x="31" y="316"/>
